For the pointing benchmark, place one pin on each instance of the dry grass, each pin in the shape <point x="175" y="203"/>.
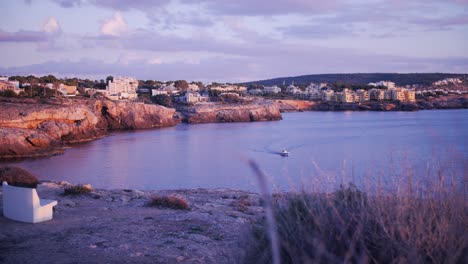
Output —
<point x="417" y="223"/>
<point x="170" y="201"/>
<point x="77" y="189"/>
<point x="19" y="177"/>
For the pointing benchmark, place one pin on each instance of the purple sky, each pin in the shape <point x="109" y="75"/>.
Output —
<point x="227" y="40"/>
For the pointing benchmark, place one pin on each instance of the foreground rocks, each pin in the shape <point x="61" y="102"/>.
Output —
<point x="245" y="111"/>
<point x="116" y="227"/>
<point x="30" y="128"/>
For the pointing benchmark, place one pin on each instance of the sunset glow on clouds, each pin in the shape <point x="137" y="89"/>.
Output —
<point x="224" y="40"/>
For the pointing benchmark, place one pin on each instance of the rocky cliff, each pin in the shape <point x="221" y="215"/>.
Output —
<point x="444" y="102"/>
<point x="295" y="105"/>
<point x="247" y="111"/>
<point x="30" y="128"/>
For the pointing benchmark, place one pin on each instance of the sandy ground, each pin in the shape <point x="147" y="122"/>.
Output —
<point x="116" y="227"/>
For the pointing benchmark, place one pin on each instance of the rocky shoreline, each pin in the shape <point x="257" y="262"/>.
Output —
<point x="33" y="128"/>
<point x="245" y="111"/>
<point x="446" y="102"/>
<point x="115" y="226"/>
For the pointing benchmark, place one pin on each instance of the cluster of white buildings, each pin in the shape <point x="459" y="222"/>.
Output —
<point x="229" y="88"/>
<point x="374" y="94"/>
<point x="388" y="84"/>
<point x="322" y="92"/>
<point x="447" y="81"/>
<point x="65" y="90"/>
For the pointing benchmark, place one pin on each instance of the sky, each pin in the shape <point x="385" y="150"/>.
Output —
<point x="231" y="40"/>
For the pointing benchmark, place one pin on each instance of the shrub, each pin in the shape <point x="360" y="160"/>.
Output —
<point x="170" y="201"/>
<point x="19" y="177"/>
<point x="348" y="226"/>
<point x="8" y="93"/>
<point x="163" y="99"/>
<point x="78" y="189"/>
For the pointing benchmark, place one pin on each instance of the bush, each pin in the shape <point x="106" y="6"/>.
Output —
<point x="19" y="177"/>
<point x="78" y="189"/>
<point x="170" y="201"/>
<point x="347" y="226"/>
<point x="163" y="99"/>
<point x="8" y="93"/>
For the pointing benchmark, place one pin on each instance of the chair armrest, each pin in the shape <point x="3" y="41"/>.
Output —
<point x="45" y="202"/>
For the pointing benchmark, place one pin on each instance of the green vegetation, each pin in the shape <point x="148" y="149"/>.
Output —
<point x="181" y="85"/>
<point x="349" y="226"/>
<point x="362" y="78"/>
<point x="163" y="99"/>
<point x="169" y="201"/>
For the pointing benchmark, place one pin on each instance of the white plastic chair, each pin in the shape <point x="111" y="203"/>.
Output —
<point x="23" y="204"/>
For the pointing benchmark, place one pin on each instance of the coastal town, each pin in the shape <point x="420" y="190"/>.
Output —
<point x="181" y="91"/>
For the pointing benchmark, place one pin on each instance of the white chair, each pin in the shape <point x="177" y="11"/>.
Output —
<point x="23" y="204"/>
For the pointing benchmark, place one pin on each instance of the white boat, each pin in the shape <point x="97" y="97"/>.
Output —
<point x="284" y="153"/>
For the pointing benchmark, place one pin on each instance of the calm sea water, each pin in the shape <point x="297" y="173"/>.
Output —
<point x="326" y="149"/>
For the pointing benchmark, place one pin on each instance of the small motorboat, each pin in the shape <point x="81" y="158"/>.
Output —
<point x="284" y="153"/>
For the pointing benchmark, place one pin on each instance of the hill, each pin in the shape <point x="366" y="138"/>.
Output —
<point x="362" y="78"/>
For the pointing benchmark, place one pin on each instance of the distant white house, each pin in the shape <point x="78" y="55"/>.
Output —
<point x="193" y="97"/>
<point x="293" y="89"/>
<point x="229" y="88"/>
<point x="255" y="92"/>
<point x="272" y="89"/>
<point x="155" y="92"/>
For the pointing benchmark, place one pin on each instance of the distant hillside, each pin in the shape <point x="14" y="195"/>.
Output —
<point x="362" y="78"/>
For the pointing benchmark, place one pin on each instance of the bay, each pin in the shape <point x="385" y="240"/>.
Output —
<point x="326" y="149"/>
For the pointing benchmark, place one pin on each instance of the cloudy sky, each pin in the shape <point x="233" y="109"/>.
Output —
<point x="231" y="40"/>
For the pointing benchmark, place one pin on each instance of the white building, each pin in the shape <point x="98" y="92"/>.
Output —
<point x="328" y="95"/>
<point x="293" y="89"/>
<point x="122" y="88"/>
<point x="193" y="97"/>
<point x="272" y="89"/>
<point x="448" y="81"/>
<point x="362" y="95"/>
<point x="347" y="96"/>
<point x="15" y="83"/>
<point x="155" y="92"/>
<point x="397" y="94"/>
<point x="255" y="92"/>
<point x="410" y="96"/>
<point x="230" y="88"/>
<point x="377" y="94"/>
<point x="388" y="84"/>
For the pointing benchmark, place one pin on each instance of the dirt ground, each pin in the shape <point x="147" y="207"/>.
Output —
<point x="117" y="227"/>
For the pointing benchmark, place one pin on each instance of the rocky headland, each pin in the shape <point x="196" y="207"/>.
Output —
<point x="244" y="111"/>
<point x="30" y="128"/>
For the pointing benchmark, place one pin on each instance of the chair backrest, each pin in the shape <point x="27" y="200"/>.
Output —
<point x="21" y="197"/>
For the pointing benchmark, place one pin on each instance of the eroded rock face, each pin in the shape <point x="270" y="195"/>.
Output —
<point x="29" y="129"/>
<point x="262" y="110"/>
<point x="296" y="105"/>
